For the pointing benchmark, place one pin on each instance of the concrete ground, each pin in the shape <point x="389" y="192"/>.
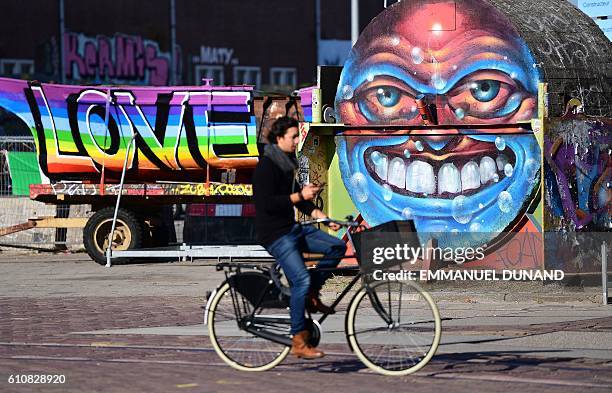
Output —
<point x="139" y="327"/>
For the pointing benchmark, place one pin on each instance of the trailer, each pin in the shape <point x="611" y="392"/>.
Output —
<point x="145" y="218"/>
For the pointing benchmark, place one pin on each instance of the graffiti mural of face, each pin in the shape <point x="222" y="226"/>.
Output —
<point x="466" y="58"/>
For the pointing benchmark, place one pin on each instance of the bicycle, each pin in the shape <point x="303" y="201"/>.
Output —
<point x="393" y="327"/>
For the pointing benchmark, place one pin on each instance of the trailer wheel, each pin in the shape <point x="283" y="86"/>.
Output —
<point x="128" y="233"/>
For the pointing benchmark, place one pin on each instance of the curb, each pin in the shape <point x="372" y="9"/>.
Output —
<point x="590" y="297"/>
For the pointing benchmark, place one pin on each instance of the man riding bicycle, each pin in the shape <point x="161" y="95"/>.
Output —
<point x="276" y="193"/>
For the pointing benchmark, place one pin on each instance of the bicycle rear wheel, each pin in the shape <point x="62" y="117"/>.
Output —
<point x="394" y="327"/>
<point x="235" y="346"/>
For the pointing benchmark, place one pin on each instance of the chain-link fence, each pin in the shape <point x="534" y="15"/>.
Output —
<point x="18" y="166"/>
<point x="18" y="169"/>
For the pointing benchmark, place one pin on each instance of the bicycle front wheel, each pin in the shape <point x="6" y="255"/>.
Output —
<point x="238" y="348"/>
<point x="393" y="327"/>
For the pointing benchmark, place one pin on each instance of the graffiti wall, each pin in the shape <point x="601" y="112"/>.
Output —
<point x="465" y="65"/>
<point x="118" y="59"/>
<point x="578" y="167"/>
<point x="578" y="192"/>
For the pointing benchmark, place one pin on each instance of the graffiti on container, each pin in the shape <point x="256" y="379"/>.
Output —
<point x="230" y="189"/>
<point x="210" y="189"/>
<point x="188" y="189"/>
<point x="79" y="130"/>
<point x="73" y="189"/>
<point x="199" y="189"/>
<point x="579" y="175"/>
<point x="82" y="189"/>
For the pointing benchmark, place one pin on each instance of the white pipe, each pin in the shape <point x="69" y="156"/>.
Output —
<point x="173" y="70"/>
<point x="318" y="28"/>
<point x="62" y="29"/>
<point x="604" y="272"/>
<point x="110" y="235"/>
<point x="354" y="21"/>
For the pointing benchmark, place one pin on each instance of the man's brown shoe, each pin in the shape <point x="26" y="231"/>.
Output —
<point x="314" y="304"/>
<point x="302" y="349"/>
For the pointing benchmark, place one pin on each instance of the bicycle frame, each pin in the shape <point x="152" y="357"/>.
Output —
<point x="256" y="324"/>
<point x="251" y="322"/>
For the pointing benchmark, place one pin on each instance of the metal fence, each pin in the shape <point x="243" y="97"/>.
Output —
<point x="16" y="170"/>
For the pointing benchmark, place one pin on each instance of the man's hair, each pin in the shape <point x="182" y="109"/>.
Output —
<point x="280" y="126"/>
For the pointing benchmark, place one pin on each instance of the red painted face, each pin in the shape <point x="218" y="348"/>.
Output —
<point x="473" y="69"/>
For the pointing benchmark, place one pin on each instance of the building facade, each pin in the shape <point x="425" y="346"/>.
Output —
<point x="270" y="44"/>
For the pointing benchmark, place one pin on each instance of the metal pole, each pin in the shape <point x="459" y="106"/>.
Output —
<point x="173" y="70"/>
<point x="354" y="21"/>
<point x="318" y="29"/>
<point x="604" y="272"/>
<point x="110" y="235"/>
<point x="62" y="29"/>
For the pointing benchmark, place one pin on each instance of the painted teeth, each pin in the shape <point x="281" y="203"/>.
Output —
<point x="487" y="169"/>
<point x="419" y="176"/>
<point x="380" y="167"/>
<point x="470" y="176"/>
<point x="449" y="179"/>
<point x="397" y="173"/>
<point x="501" y="162"/>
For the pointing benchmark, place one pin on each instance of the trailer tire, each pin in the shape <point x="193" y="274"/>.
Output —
<point x="128" y="233"/>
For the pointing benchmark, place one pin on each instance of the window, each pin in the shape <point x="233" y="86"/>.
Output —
<point x="247" y="76"/>
<point x="283" y="76"/>
<point x="16" y="67"/>
<point x="214" y="72"/>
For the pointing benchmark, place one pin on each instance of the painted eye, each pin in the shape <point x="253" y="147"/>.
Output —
<point x="485" y="90"/>
<point x="388" y="96"/>
<point x="488" y="95"/>
<point x="386" y="102"/>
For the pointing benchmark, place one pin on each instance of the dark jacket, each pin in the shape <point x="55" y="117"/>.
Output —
<point x="274" y="211"/>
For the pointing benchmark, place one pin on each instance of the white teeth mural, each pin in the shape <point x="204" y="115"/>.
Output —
<point x="381" y="166"/>
<point x="420" y="178"/>
<point x="487" y="169"/>
<point x="449" y="179"/>
<point x="501" y="162"/>
<point x="397" y="173"/>
<point x="470" y="176"/>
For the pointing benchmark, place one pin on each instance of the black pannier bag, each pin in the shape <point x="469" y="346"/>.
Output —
<point x="389" y="234"/>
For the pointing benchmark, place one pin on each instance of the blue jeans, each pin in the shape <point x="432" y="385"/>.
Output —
<point x="288" y="249"/>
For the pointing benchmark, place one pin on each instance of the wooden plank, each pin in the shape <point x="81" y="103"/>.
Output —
<point x="16" y="228"/>
<point x="45" y="222"/>
<point x="54" y="222"/>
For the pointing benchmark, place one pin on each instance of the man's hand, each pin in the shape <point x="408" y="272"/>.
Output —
<point x="333" y="226"/>
<point x="318" y="214"/>
<point x="310" y="191"/>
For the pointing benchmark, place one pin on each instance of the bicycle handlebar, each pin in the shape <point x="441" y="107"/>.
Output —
<point x="348" y="223"/>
